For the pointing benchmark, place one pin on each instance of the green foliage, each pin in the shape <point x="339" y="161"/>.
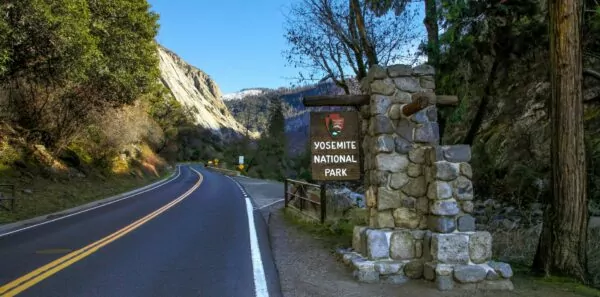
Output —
<point x="591" y="29"/>
<point x="276" y="120"/>
<point x="4" y="46"/>
<point x="47" y="40"/>
<point x="477" y="32"/>
<point x="125" y="30"/>
<point x="252" y="111"/>
<point x="65" y="61"/>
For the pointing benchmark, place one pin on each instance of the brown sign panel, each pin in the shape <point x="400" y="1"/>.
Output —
<point x="335" y="145"/>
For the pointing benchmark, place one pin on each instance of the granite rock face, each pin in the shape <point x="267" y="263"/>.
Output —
<point x="197" y="91"/>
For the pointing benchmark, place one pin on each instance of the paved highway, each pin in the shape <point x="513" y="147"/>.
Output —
<point x="190" y="236"/>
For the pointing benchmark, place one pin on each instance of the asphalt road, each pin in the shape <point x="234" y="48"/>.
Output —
<point x="191" y="236"/>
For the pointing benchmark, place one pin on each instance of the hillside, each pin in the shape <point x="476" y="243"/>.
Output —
<point x="75" y="127"/>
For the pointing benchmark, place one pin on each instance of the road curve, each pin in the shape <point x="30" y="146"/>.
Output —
<point x="191" y="236"/>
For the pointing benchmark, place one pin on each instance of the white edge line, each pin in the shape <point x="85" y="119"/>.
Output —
<point x="260" y="283"/>
<point x="95" y="207"/>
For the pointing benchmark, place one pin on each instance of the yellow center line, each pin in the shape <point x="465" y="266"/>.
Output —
<point x="27" y="281"/>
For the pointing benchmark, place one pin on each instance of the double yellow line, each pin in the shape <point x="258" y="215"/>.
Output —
<point x="27" y="281"/>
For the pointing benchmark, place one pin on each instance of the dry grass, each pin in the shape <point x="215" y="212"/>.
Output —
<point x="44" y="190"/>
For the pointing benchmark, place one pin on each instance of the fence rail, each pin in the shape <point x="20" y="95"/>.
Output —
<point x="7" y="202"/>
<point x="299" y="197"/>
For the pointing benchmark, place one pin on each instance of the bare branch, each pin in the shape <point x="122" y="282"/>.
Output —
<point x="592" y="73"/>
<point x="324" y="39"/>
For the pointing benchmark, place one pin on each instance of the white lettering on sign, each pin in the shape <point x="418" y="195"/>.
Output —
<point x="335" y="172"/>
<point x="335" y="145"/>
<point x="334" y="159"/>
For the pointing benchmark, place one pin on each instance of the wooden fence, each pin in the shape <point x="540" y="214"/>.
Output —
<point x="309" y="199"/>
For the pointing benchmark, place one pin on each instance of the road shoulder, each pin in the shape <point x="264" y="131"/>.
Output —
<point x="264" y="194"/>
<point x="12" y="227"/>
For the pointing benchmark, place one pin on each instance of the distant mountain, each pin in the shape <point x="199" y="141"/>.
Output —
<point x="251" y="110"/>
<point x="244" y="93"/>
<point x="297" y="120"/>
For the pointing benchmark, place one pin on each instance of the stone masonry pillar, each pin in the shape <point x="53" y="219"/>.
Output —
<point x="418" y="194"/>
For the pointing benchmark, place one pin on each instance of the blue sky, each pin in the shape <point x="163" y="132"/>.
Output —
<point x="239" y="43"/>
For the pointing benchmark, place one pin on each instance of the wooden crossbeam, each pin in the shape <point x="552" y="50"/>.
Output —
<point x="359" y="100"/>
<point x="446" y="100"/>
<point x="336" y="100"/>
<point x="418" y="104"/>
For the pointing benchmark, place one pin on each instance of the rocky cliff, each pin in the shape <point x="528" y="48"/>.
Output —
<point x="195" y="90"/>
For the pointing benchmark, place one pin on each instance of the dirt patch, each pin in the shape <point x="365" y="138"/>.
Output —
<point x="308" y="267"/>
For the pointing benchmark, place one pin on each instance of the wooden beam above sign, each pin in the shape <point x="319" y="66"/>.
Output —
<point x="359" y="100"/>
<point x="336" y="100"/>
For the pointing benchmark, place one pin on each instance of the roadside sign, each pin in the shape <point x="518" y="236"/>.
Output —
<point x="241" y="166"/>
<point x="241" y="160"/>
<point x="334" y="144"/>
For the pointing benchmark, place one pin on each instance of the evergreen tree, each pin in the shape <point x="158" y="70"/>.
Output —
<point x="563" y="242"/>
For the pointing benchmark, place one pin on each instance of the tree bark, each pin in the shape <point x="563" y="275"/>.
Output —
<point x="562" y="245"/>
<point x="355" y="44"/>
<point x="432" y="32"/>
<point x="362" y="31"/>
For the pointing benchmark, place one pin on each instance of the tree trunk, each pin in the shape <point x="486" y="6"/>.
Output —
<point x="432" y="32"/>
<point x="362" y="31"/>
<point x="361" y="67"/>
<point x="485" y="99"/>
<point x="562" y="245"/>
<point x="433" y="50"/>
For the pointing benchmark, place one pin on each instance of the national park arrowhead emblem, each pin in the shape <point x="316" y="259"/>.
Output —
<point x="335" y="124"/>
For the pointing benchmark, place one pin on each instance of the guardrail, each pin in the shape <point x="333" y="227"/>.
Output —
<point x="7" y="202"/>
<point x="298" y="196"/>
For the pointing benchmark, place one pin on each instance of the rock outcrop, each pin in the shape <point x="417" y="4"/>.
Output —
<point x="197" y="91"/>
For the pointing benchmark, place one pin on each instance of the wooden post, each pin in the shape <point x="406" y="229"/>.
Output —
<point x="419" y="104"/>
<point x="323" y="203"/>
<point x="446" y="100"/>
<point x="285" y="194"/>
